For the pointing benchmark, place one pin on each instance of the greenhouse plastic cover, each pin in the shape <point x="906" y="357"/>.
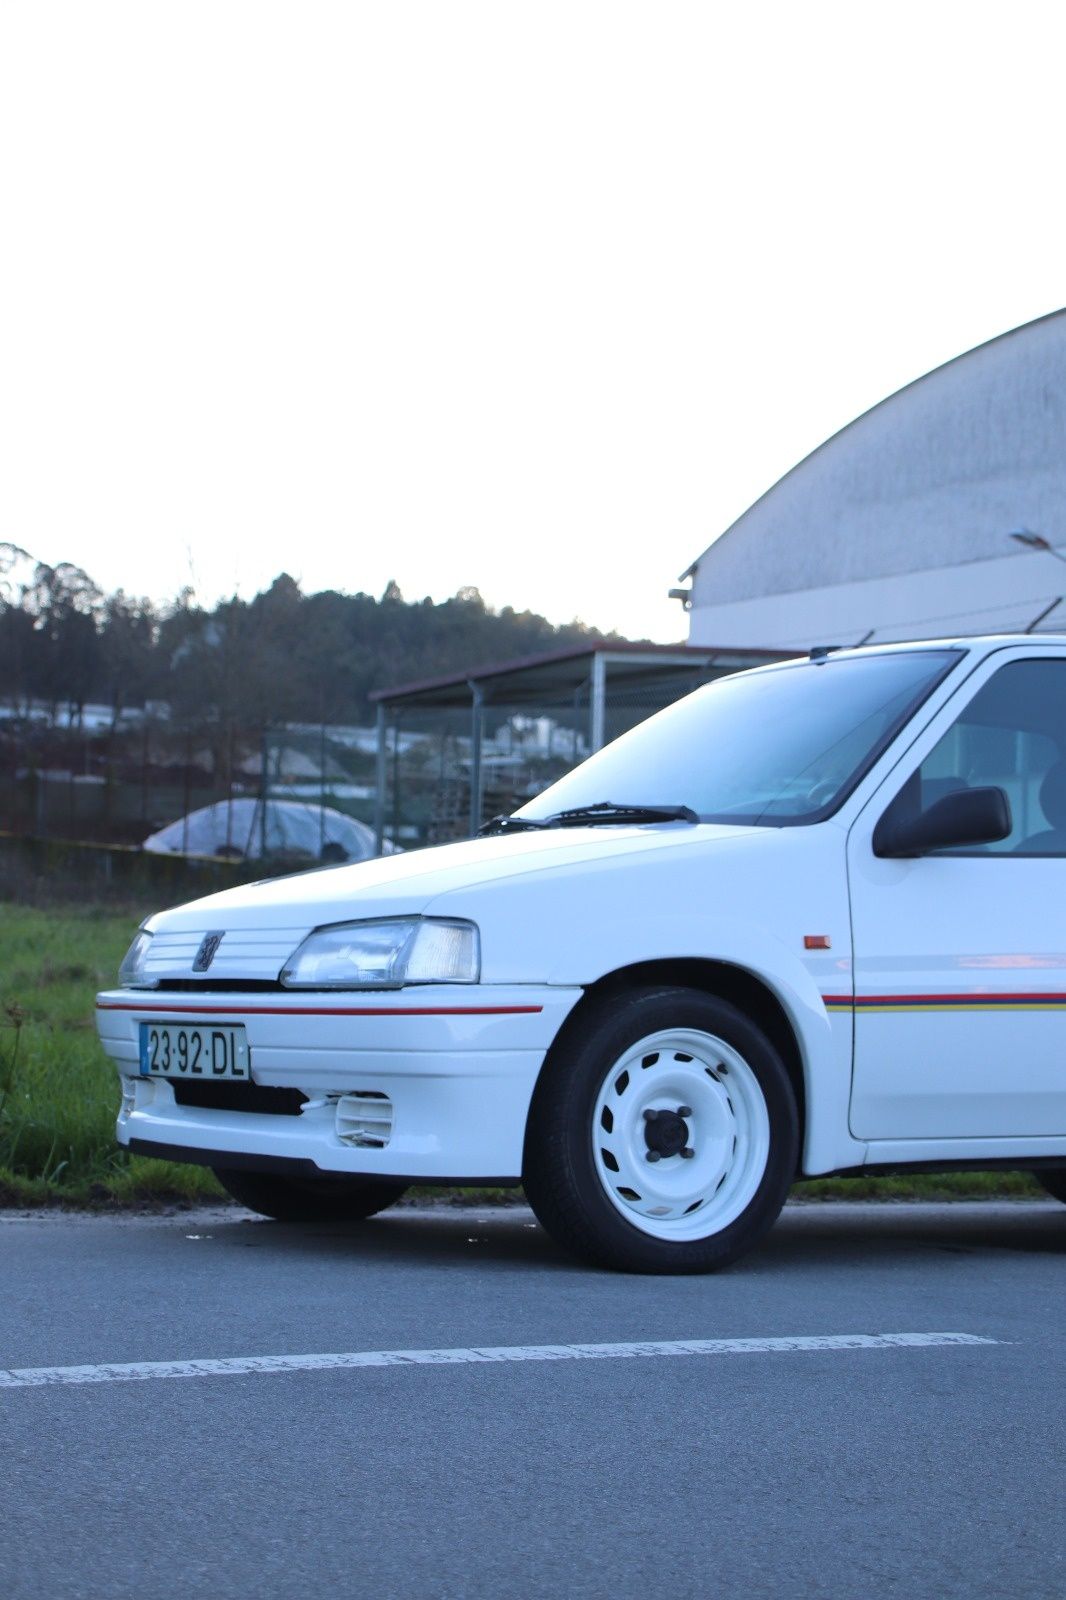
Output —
<point x="236" y="828"/>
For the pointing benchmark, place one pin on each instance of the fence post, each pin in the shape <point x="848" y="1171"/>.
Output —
<point x="265" y="790"/>
<point x="145" y="753"/>
<point x="396" y="716"/>
<point x="598" y="704"/>
<point x="185" y="794"/>
<point x="477" y="709"/>
<point x="380" y="770"/>
<point x="321" y="790"/>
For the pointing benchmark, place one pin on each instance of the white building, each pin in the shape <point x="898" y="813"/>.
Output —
<point x="900" y="525"/>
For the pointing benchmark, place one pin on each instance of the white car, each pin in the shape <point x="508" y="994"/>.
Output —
<point x="807" y="920"/>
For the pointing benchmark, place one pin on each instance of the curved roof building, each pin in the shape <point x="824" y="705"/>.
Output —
<point x="900" y="525"/>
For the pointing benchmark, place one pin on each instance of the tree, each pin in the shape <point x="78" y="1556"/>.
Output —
<point x="128" y="658"/>
<point x="282" y="657"/>
<point x="64" y="603"/>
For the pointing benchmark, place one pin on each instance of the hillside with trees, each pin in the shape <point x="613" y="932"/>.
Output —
<point x="284" y="656"/>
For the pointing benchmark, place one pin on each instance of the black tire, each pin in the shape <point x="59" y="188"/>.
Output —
<point x="1054" y="1182"/>
<point x="561" y="1179"/>
<point x="322" y="1199"/>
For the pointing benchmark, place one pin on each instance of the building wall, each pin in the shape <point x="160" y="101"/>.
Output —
<point x="1008" y="595"/>
<point x="899" y="525"/>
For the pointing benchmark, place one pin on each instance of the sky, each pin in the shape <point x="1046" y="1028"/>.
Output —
<point x="531" y="297"/>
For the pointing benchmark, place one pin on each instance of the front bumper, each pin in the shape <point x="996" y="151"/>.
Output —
<point x="458" y="1063"/>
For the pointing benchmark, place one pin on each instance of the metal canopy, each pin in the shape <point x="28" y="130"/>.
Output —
<point x="530" y="679"/>
<point x="535" y="680"/>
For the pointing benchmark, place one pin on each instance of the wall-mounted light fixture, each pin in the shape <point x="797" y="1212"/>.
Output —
<point x="1036" y="541"/>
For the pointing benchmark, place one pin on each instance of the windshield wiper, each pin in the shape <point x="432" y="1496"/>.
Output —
<point x="609" y="811"/>
<point x="506" y="824"/>
<point x="602" y="811"/>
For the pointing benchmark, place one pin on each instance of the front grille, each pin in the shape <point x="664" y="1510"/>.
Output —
<point x="219" y="985"/>
<point x="264" y="1098"/>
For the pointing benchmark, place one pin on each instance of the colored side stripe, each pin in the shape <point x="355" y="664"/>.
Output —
<point x="974" y="1001"/>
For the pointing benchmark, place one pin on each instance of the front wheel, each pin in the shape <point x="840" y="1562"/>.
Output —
<point x="322" y="1199"/>
<point x="663" y="1134"/>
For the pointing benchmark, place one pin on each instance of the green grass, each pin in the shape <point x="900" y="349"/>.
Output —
<point x="59" y="1093"/>
<point x="924" y="1186"/>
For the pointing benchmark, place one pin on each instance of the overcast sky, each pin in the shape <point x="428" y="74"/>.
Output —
<point x="536" y="297"/>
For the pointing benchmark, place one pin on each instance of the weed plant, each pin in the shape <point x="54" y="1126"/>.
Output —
<point x="58" y="1091"/>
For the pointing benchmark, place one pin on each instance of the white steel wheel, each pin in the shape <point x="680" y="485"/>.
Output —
<point x="681" y="1134"/>
<point x="663" y="1134"/>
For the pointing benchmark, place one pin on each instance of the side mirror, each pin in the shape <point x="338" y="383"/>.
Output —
<point x="969" y="816"/>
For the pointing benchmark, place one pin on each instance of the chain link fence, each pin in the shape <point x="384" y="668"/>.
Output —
<point x="120" y="781"/>
<point x="427" y="773"/>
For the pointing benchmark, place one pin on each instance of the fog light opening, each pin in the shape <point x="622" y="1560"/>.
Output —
<point x="364" y="1119"/>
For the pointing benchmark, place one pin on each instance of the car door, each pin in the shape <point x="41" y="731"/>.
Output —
<point x="960" y="955"/>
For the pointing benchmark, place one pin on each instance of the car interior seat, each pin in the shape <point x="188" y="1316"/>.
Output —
<point x="1051" y="841"/>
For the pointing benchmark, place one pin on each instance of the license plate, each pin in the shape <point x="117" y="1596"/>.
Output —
<point x="193" y="1050"/>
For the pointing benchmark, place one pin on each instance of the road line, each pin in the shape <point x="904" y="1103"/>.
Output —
<point x="231" y="1366"/>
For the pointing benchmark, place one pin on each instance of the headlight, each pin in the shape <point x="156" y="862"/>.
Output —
<point x="385" y="955"/>
<point x="131" y="972"/>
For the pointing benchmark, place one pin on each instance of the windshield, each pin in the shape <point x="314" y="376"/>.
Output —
<point x="782" y="745"/>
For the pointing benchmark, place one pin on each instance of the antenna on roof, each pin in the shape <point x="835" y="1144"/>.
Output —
<point x="818" y="652"/>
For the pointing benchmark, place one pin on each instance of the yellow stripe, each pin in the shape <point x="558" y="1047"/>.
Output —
<point x="1022" y="1005"/>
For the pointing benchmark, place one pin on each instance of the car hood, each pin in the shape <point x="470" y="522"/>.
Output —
<point x="402" y="885"/>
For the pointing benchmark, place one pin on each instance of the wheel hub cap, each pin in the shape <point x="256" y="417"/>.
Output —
<point x="666" y="1133"/>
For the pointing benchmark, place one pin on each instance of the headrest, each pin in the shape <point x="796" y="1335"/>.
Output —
<point x="1053" y="794"/>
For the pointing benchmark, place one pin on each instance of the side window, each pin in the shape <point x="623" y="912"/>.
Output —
<point x="1011" y="735"/>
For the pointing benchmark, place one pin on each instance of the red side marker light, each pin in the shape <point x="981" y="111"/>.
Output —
<point x="816" y="941"/>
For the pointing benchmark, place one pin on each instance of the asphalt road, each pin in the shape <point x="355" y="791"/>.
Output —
<point x="839" y="1470"/>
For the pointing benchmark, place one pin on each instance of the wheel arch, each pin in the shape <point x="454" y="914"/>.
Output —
<point x="724" y="980"/>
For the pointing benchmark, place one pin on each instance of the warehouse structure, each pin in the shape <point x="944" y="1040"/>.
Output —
<point x="941" y="511"/>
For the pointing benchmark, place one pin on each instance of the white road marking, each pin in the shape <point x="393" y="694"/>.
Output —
<point x="139" y="1371"/>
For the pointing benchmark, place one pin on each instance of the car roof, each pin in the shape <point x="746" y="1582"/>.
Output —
<point x="978" y="644"/>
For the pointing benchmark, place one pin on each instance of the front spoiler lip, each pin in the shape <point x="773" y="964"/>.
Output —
<point x="299" y="1166"/>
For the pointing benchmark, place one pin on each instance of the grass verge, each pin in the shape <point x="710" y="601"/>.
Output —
<point x="59" y="1093"/>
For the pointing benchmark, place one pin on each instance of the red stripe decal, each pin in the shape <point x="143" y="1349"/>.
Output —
<point x="325" y="1011"/>
<point x="977" y="997"/>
